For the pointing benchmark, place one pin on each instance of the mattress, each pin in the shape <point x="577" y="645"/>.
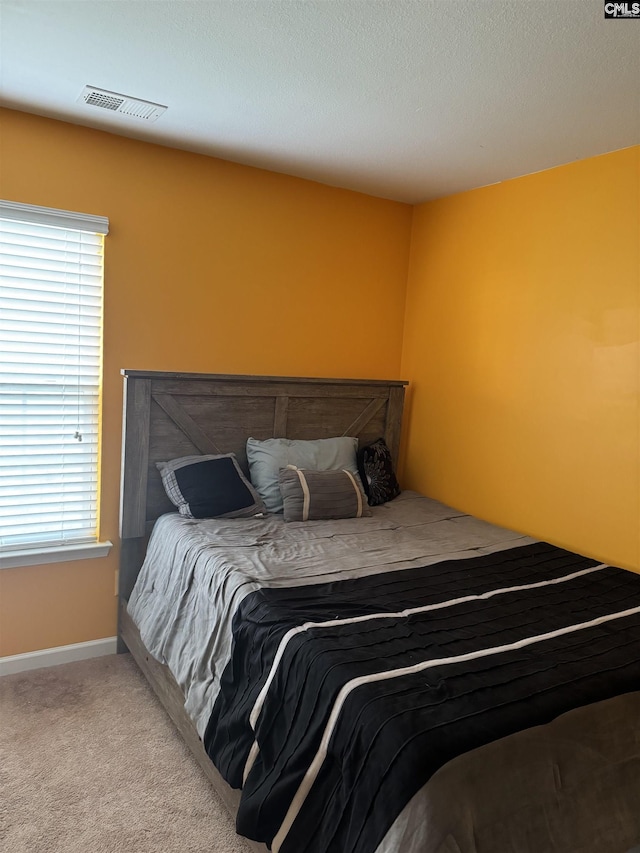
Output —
<point x="198" y="575"/>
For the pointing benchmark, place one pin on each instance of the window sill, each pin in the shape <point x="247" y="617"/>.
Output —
<point x="53" y="554"/>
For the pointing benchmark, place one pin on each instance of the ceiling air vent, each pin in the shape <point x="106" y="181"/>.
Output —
<point x="123" y="104"/>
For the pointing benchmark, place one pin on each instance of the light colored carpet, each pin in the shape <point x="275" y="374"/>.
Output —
<point x="90" y="763"/>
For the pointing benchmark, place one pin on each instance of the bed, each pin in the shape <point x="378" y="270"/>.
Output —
<point x="569" y="781"/>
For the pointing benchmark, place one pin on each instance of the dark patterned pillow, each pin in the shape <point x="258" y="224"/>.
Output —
<point x="209" y="487"/>
<point x="376" y="471"/>
<point x="314" y="495"/>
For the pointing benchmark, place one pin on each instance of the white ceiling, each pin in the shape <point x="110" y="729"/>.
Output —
<point x="405" y="99"/>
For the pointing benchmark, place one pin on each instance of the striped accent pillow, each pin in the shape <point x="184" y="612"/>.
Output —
<point x="314" y="495"/>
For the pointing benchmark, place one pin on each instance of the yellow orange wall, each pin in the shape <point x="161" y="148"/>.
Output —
<point x="522" y="344"/>
<point x="210" y="266"/>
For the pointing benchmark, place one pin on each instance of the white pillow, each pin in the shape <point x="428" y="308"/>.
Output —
<point x="266" y="458"/>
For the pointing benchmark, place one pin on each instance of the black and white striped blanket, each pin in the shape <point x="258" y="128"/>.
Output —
<point x="341" y="700"/>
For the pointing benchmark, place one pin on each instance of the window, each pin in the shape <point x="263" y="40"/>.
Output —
<point x="51" y="277"/>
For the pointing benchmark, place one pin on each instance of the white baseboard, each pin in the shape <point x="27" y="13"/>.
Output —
<point x="61" y="654"/>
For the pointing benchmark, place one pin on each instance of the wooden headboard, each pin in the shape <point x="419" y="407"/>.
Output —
<point x="168" y="415"/>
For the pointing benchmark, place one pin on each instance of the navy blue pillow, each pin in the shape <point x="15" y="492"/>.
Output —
<point x="376" y="472"/>
<point x="209" y="487"/>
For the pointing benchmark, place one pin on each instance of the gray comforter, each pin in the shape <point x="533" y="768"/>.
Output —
<point x="573" y="785"/>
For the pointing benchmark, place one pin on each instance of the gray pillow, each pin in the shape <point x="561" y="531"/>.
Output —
<point x="313" y="495"/>
<point x="266" y="458"/>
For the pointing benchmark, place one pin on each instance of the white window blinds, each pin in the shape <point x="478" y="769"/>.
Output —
<point x="51" y="277"/>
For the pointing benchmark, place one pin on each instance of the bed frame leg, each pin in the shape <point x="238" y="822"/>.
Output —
<point x="121" y="647"/>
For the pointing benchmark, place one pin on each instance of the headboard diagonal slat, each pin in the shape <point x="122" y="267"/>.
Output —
<point x="186" y="423"/>
<point x="365" y="417"/>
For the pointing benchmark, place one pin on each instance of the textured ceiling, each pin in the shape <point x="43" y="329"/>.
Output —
<point x="401" y="99"/>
